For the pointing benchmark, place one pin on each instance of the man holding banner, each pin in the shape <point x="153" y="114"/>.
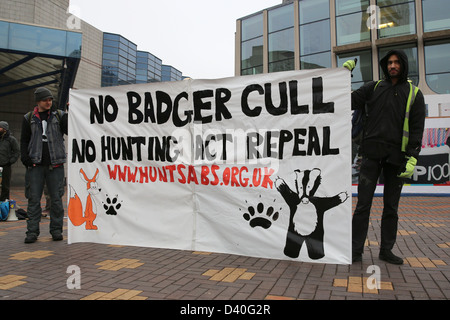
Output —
<point x="43" y="153"/>
<point x="393" y="130"/>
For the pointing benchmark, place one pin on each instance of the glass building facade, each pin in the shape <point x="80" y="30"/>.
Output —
<point x="170" y="73"/>
<point x="281" y="31"/>
<point x="124" y="64"/>
<point x="32" y="56"/>
<point x="252" y="45"/>
<point x="28" y="38"/>
<point x="351" y="18"/>
<point x="308" y="34"/>
<point x="314" y="19"/>
<point x="119" y="60"/>
<point x="148" y="68"/>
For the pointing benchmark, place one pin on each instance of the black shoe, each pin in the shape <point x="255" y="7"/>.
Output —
<point x="356" y="257"/>
<point x="57" y="237"/>
<point x="388" y="256"/>
<point x="30" y="238"/>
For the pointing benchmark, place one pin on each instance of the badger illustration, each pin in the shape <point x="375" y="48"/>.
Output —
<point x="306" y="212"/>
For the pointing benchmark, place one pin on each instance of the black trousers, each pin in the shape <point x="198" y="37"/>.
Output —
<point x="370" y="172"/>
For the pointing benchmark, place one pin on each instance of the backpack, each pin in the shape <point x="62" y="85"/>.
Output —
<point x="4" y="210"/>
<point x="358" y="119"/>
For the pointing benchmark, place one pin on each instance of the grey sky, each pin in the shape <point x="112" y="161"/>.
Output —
<point x="195" y="36"/>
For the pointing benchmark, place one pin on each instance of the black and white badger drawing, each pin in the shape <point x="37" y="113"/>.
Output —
<point x="306" y="212"/>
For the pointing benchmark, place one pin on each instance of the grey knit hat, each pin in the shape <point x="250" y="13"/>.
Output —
<point x="42" y="94"/>
<point x="4" y="125"/>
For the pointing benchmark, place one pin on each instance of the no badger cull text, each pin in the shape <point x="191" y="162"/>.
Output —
<point x="193" y="142"/>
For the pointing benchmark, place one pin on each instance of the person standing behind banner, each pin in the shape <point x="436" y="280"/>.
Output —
<point x="391" y="142"/>
<point x="9" y="154"/>
<point x="43" y="153"/>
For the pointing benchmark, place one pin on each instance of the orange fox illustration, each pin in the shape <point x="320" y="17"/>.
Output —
<point x="75" y="208"/>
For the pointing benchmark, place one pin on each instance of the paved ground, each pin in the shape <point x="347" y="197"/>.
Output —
<point x="46" y="270"/>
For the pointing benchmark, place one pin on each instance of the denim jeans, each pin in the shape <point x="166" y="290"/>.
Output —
<point x="368" y="178"/>
<point x="36" y="178"/>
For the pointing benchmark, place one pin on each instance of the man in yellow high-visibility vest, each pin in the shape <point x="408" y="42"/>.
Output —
<point x="391" y="142"/>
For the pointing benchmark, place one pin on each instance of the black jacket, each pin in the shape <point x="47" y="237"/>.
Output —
<point x="9" y="147"/>
<point x="386" y="107"/>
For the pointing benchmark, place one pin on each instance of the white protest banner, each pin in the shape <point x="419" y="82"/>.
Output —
<point x="257" y="165"/>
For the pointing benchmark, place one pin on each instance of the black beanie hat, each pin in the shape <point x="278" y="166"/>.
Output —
<point x="42" y="94"/>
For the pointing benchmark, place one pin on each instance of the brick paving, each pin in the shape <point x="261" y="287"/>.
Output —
<point x="45" y="270"/>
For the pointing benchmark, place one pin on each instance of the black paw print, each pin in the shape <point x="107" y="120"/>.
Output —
<point x="260" y="219"/>
<point x="111" y="206"/>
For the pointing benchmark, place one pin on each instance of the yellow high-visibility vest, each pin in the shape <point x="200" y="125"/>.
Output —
<point x="411" y="98"/>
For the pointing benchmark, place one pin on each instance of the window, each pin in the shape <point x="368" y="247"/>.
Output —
<point x="281" y="50"/>
<point x="110" y="36"/>
<point x="110" y="43"/>
<point x="4" y="30"/>
<point x="21" y="37"/>
<point x="436" y="15"/>
<point x="120" y="52"/>
<point x="73" y="46"/>
<point x="142" y="73"/>
<point x="413" y="64"/>
<point x="314" y="10"/>
<point x="281" y="18"/>
<point x="363" y="70"/>
<point x="315" y="24"/>
<point x="309" y="35"/>
<point x="252" y="45"/>
<point x="169" y="73"/>
<point x="351" y="21"/>
<point x="252" y="27"/>
<point x="344" y="7"/>
<point x="252" y="56"/>
<point x="110" y="63"/>
<point x="397" y="17"/>
<point x="315" y="61"/>
<point x="281" y="38"/>
<point x="111" y="50"/>
<point x="437" y="68"/>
